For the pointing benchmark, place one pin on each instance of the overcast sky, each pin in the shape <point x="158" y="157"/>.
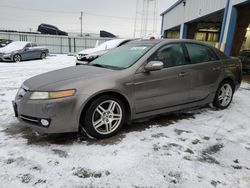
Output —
<point x="28" y="14"/>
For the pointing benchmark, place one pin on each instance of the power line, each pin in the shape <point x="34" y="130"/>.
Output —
<point x="65" y="12"/>
<point x="37" y="22"/>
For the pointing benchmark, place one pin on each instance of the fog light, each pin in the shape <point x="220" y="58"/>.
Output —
<point x="45" y="122"/>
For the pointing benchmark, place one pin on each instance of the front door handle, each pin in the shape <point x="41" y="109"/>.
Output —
<point x="183" y="74"/>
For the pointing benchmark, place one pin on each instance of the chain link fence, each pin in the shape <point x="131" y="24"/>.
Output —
<point x="56" y="44"/>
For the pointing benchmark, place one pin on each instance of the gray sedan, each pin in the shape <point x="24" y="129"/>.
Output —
<point x="20" y="50"/>
<point x="137" y="80"/>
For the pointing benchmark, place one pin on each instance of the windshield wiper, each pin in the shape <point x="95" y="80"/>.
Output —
<point x="98" y="65"/>
<point x="106" y="66"/>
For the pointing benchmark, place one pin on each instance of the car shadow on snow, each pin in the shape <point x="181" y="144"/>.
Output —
<point x="17" y="129"/>
<point x="21" y="61"/>
<point x="246" y="78"/>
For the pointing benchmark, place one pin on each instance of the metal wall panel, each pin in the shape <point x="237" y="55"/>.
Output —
<point x="191" y="11"/>
<point x="56" y="44"/>
<point x="234" y="2"/>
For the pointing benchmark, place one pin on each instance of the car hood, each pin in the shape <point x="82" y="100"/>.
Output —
<point x="3" y="50"/>
<point x="66" y="74"/>
<point x="89" y="51"/>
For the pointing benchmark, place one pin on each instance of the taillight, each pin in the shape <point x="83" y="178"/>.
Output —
<point x="238" y="64"/>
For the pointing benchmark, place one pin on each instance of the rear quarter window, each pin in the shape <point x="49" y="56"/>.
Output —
<point x="221" y="55"/>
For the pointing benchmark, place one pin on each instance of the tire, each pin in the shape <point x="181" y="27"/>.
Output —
<point x="17" y="58"/>
<point x="43" y="55"/>
<point x="108" y="113"/>
<point x="224" y="95"/>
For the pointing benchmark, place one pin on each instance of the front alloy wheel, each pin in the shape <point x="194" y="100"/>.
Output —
<point x="43" y="55"/>
<point x="104" y="117"/>
<point x="17" y="58"/>
<point x="224" y="95"/>
<point x="107" y="117"/>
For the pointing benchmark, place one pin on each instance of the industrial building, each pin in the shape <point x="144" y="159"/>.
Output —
<point x="222" y="23"/>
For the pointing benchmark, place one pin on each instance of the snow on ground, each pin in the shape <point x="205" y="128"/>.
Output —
<point x="199" y="148"/>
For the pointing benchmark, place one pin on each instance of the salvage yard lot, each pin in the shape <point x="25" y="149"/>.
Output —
<point x="198" y="148"/>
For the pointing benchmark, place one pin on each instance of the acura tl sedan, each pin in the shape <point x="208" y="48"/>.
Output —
<point x="137" y="80"/>
<point x="19" y="50"/>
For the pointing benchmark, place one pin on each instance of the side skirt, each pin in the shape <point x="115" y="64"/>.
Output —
<point x="207" y="100"/>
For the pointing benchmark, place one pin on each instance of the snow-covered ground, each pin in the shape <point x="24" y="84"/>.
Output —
<point x="200" y="148"/>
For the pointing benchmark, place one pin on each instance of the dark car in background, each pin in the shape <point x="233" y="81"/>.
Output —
<point x="20" y="50"/>
<point x="86" y="56"/>
<point x="50" y="30"/>
<point x="245" y="59"/>
<point x="137" y="80"/>
<point x="4" y="42"/>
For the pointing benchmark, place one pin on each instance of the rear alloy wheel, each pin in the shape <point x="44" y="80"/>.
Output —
<point x="17" y="58"/>
<point x="104" y="117"/>
<point x="224" y="95"/>
<point x="43" y="55"/>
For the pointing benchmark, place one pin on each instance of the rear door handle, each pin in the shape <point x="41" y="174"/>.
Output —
<point x="183" y="74"/>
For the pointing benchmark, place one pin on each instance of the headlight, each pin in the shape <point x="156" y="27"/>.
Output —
<point x="52" y="94"/>
<point x="7" y="55"/>
<point x="80" y="56"/>
<point x="91" y="57"/>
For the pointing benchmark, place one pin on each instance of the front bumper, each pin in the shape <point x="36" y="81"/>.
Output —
<point x="6" y="58"/>
<point x="62" y="114"/>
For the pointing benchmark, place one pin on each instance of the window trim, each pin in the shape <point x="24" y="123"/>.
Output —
<point x="26" y="46"/>
<point x="171" y="43"/>
<point x="35" y="45"/>
<point x="205" y="46"/>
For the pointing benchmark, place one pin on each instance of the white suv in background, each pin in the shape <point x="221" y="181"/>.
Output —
<point x="86" y="56"/>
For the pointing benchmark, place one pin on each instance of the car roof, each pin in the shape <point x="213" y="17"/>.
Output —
<point x="154" y="42"/>
<point x="116" y="41"/>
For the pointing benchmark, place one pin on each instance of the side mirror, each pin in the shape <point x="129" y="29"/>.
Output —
<point x="154" y="66"/>
<point x="26" y="48"/>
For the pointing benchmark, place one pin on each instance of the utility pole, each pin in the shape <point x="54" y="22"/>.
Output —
<point x="81" y="22"/>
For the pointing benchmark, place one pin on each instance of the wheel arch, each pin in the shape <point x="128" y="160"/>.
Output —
<point x="229" y="79"/>
<point x="17" y="54"/>
<point x="113" y="93"/>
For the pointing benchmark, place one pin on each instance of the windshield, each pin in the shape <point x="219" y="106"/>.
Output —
<point x="122" y="57"/>
<point x="14" y="46"/>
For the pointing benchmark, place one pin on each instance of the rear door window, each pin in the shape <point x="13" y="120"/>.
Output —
<point x="199" y="53"/>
